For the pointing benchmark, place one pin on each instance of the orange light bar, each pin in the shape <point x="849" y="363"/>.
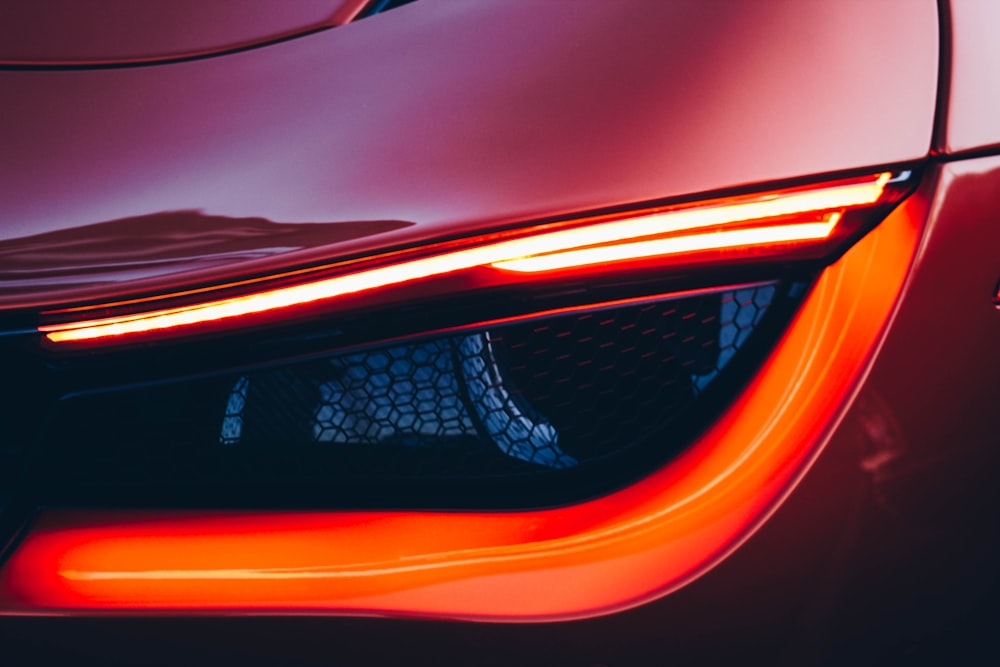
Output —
<point x="619" y="252"/>
<point x="600" y="556"/>
<point x="538" y="252"/>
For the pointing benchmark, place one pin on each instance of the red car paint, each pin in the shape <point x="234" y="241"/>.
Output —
<point x="45" y="33"/>
<point x="886" y="551"/>
<point x="457" y="117"/>
<point x="973" y="104"/>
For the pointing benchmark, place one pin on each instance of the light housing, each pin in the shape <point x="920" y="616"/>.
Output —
<point x="454" y="560"/>
<point x="629" y="546"/>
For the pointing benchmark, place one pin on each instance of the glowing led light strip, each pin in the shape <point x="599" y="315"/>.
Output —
<point x="671" y="246"/>
<point x="512" y="254"/>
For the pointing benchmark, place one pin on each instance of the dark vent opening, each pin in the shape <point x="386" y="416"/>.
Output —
<point x="530" y="413"/>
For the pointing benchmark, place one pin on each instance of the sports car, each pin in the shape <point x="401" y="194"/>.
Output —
<point x="479" y="332"/>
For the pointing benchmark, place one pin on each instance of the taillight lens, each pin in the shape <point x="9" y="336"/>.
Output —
<point x="531" y="366"/>
<point x="535" y="382"/>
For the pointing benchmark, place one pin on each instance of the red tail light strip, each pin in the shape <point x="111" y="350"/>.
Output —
<point x="600" y="556"/>
<point x="745" y="238"/>
<point x="645" y="234"/>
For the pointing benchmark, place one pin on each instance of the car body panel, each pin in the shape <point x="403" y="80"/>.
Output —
<point x="52" y="33"/>
<point x="455" y="117"/>
<point x="973" y="103"/>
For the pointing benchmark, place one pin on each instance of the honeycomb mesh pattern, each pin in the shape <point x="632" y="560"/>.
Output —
<point x="741" y="311"/>
<point x="405" y="394"/>
<point x="554" y="393"/>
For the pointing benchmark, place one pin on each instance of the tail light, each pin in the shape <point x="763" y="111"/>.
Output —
<point x="528" y="368"/>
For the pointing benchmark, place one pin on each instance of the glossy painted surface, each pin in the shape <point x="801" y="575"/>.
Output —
<point x="69" y="32"/>
<point x="972" y="120"/>
<point x="148" y="246"/>
<point x="458" y="117"/>
<point x="629" y="547"/>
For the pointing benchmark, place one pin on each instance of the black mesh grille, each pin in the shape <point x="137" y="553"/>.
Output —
<point x="579" y="394"/>
<point x="621" y="375"/>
